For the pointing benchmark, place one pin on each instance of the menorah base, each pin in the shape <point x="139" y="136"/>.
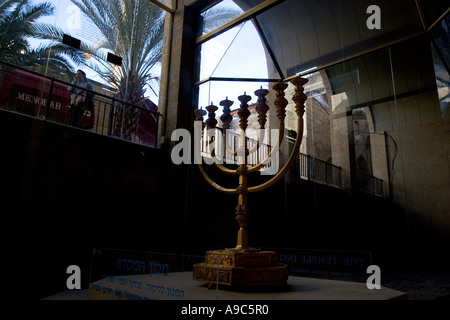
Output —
<point x="241" y="267"/>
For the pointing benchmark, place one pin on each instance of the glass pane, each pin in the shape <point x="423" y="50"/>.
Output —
<point x="219" y="14"/>
<point x="238" y="53"/>
<point x="441" y="58"/>
<point x="307" y="34"/>
<point x="376" y="102"/>
<point x="142" y="24"/>
<point x="214" y="50"/>
<point x="117" y="44"/>
<point x="352" y="109"/>
<point x="389" y="73"/>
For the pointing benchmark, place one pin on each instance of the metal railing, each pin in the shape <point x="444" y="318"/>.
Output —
<point x="231" y="153"/>
<point x="309" y="167"/>
<point x="319" y="171"/>
<point x="370" y="184"/>
<point x="28" y="92"/>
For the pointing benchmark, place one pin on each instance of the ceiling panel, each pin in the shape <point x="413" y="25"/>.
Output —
<point x="312" y="33"/>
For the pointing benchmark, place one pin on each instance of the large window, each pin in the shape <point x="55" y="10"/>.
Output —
<point x="368" y="78"/>
<point x="233" y="62"/>
<point x="377" y="108"/>
<point x="118" y="44"/>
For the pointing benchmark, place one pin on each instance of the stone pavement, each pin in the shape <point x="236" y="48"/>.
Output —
<point x="180" y="286"/>
<point x="417" y="286"/>
<point x="420" y="285"/>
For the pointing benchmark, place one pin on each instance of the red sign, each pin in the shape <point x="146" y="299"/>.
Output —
<point x="148" y="123"/>
<point x="28" y="93"/>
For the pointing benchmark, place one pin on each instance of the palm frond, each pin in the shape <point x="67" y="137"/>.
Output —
<point x="30" y="14"/>
<point x="132" y="30"/>
<point x="216" y="16"/>
<point x="18" y="23"/>
<point x="6" y="5"/>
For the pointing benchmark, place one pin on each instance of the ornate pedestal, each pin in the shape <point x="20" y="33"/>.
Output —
<point x="241" y="267"/>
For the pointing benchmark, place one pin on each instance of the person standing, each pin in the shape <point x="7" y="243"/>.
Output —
<point x="78" y="97"/>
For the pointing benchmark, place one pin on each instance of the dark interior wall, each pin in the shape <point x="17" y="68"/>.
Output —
<point x="299" y="215"/>
<point x="315" y="216"/>
<point x="65" y="191"/>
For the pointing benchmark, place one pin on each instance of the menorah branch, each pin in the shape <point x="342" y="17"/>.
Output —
<point x="280" y="174"/>
<point x="274" y="148"/>
<point x="221" y="167"/>
<point x="214" y="184"/>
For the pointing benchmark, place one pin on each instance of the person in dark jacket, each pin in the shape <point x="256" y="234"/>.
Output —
<point x="78" y="97"/>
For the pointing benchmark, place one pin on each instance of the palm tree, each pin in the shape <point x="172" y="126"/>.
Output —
<point x="216" y="16"/>
<point x="18" y="23"/>
<point x="133" y="30"/>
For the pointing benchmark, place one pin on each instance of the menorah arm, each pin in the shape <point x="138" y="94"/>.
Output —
<point x="258" y="142"/>
<point x="287" y="165"/>
<point x="221" y="167"/>
<point x="275" y="147"/>
<point x="253" y="149"/>
<point x="215" y="185"/>
<point x="227" y="149"/>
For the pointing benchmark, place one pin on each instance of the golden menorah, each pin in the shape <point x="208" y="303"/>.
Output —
<point x="242" y="265"/>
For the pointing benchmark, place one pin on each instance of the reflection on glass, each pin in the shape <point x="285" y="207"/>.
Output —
<point x="304" y="34"/>
<point x="443" y="85"/>
<point x="27" y="32"/>
<point x="219" y="14"/>
<point x="237" y="53"/>
<point x="317" y="116"/>
<point x="441" y="58"/>
<point x="132" y="30"/>
<point x="213" y="51"/>
<point x="353" y="106"/>
<point x="135" y="34"/>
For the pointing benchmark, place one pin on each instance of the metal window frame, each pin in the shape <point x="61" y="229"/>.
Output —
<point x="268" y="4"/>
